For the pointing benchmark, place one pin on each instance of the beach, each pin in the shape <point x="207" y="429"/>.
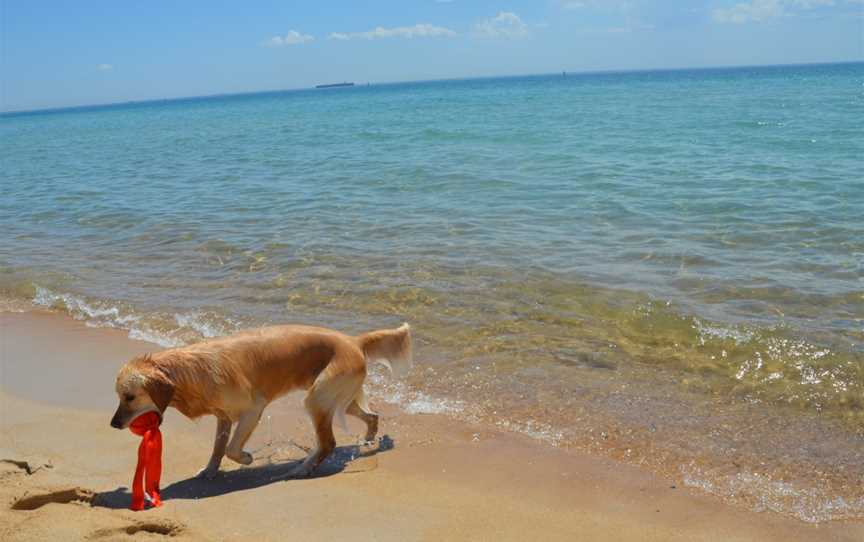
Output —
<point x="624" y="288"/>
<point x="65" y="472"/>
<point x="604" y="261"/>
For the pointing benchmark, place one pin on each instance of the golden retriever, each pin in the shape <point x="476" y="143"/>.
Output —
<point x="234" y="378"/>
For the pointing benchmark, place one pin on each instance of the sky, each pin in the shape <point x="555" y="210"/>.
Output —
<point x="65" y="53"/>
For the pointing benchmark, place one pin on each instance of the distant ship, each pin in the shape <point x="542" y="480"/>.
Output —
<point x="334" y="85"/>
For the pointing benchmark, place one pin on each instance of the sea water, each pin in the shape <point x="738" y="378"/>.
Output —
<point x="667" y="267"/>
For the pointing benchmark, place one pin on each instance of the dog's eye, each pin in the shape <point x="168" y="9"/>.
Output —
<point x="129" y="397"/>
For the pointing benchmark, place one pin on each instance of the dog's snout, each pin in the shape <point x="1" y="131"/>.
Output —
<point x="115" y="421"/>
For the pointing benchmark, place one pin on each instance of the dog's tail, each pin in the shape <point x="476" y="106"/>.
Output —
<point x="390" y="347"/>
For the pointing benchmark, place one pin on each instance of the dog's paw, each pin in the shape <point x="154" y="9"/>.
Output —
<point x="207" y="473"/>
<point x="366" y="443"/>
<point x="244" y="458"/>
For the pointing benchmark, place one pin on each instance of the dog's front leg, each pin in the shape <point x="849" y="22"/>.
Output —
<point x="223" y="431"/>
<point x="248" y="422"/>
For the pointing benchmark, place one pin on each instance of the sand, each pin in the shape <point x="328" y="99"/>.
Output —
<point x="64" y="472"/>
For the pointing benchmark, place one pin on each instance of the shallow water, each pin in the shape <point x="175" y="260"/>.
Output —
<point x="664" y="266"/>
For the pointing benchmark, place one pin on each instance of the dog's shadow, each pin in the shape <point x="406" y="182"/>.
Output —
<point x="249" y="477"/>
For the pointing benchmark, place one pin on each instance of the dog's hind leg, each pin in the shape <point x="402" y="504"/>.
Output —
<point x="323" y="423"/>
<point x="327" y="396"/>
<point x="359" y="408"/>
<point x="245" y="426"/>
<point x="223" y="431"/>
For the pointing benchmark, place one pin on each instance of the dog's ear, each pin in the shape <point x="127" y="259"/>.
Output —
<point x="160" y="390"/>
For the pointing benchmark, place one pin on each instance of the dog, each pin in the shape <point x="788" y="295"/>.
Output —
<point x="234" y="378"/>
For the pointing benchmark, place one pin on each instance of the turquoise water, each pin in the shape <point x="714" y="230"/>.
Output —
<point x="564" y="246"/>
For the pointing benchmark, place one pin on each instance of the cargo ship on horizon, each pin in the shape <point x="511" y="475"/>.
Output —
<point x="335" y="85"/>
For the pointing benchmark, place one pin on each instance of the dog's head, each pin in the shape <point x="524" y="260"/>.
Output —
<point x="141" y="387"/>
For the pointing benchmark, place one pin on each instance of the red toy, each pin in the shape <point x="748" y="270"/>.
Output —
<point x="149" y="460"/>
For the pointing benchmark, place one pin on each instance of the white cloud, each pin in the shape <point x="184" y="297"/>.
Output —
<point x="596" y="4"/>
<point x="745" y="12"/>
<point x="291" y="38"/>
<point x="762" y="10"/>
<point x="810" y="4"/>
<point x="504" y="25"/>
<point x="105" y="67"/>
<point x="627" y="10"/>
<point x="421" y="30"/>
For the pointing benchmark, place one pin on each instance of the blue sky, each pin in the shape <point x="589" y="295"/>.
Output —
<point x="95" y="51"/>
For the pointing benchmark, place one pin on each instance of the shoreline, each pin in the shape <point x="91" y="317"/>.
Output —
<point x="435" y="478"/>
<point x="753" y="454"/>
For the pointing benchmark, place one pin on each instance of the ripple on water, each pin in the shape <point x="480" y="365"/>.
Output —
<point x="672" y="283"/>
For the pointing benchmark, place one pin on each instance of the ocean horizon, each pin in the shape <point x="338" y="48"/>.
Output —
<point x="218" y="95"/>
<point x="664" y="266"/>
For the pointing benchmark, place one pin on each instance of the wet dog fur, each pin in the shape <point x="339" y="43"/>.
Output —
<point x="234" y="378"/>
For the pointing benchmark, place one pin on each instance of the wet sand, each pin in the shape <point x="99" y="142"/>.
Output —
<point x="65" y="472"/>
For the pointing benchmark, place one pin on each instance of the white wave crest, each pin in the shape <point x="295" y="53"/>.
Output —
<point x="205" y="325"/>
<point x="808" y="504"/>
<point x="190" y="327"/>
<point x="81" y="309"/>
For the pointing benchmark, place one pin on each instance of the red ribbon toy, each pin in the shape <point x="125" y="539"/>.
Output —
<point x="149" y="460"/>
